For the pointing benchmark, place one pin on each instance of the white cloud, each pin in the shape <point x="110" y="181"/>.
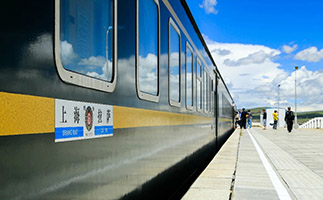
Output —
<point x="174" y="59"/>
<point x="310" y="54"/>
<point x="309" y="86"/>
<point x="93" y="74"/>
<point x="289" y="49"/>
<point x="258" y="57"/>
<point x="148" y="73"/>
<point x="252" y="76"/>
<point x="251" y="63"/>
<point x="42" y="47"/>
<point x="95" y="66"/>
<point x="93" y="61"/>
<point x="68" y="55"/>
<point x="209" y="6"/>
<point x="221" y="52"/>
<point x="40" y="50"/>
<point x="99" y="62"/>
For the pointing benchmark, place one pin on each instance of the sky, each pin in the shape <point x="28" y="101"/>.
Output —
<point x="257" y="44"/>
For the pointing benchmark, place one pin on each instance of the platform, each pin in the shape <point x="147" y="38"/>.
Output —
<point x="264" y="164"/>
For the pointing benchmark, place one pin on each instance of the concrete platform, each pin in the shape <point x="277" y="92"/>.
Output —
<point x="264" y="164"/>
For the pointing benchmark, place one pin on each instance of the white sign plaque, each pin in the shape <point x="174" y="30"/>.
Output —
<point x="80" y="120"/>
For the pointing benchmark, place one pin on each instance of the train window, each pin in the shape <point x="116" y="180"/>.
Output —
<point x="147" y="49"/>
<point x="199" y="89"/>
<point x="174" y="63"/>
<point x="189" y="76"/>
<point x="85" y="42"/>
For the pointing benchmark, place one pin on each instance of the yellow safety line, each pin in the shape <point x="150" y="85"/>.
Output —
<point x="25" y="114"/>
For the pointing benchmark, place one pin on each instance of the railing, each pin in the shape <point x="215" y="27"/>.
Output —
<point x="316" y="122"/>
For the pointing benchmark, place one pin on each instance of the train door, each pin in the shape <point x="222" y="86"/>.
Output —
<point x="216" y="107"/>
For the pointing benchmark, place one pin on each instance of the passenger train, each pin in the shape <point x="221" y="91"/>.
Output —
<point x="106" y="99"/>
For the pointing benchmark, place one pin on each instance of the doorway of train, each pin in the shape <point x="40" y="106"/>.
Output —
<point x="216" y="108"/>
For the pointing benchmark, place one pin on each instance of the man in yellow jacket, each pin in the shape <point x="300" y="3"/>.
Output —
<point x="275" y="116"/>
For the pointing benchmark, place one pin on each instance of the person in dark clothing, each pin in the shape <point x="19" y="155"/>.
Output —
<point x="264" y="118"/>
<point x="275" y="117"/>
<point x="239" y="112"/>
<point x="289" y="118"/>
<point x="243" y="118"/>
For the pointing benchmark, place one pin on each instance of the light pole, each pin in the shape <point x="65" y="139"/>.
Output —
<point x="278" y="103"/>
<point x="296" y="125"/>
<point x="278" y="97"/>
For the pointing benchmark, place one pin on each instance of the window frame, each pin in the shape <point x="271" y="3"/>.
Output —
<point x="205" y="90"/>
<point x="172" y="24"/>
<point x="200" y="79"/>
<point x="189" y="47"/>
<point x="141" y="94"/>
<point x="211" y="95"/>
<point x="79" y="79"/>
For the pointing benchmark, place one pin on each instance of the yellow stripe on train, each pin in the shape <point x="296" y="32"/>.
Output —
<point x="26" y="114"/>
<point x="125" y="117"/>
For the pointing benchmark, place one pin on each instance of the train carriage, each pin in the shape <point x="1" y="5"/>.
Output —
<point x="106" y="99"/>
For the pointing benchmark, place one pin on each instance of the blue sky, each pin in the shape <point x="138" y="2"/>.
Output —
<point x="257" y="44"/>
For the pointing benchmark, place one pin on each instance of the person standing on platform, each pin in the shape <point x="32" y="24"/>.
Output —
<point x="289" y="119"/>
<point x="275" y="116"/>
<point x="243" y="118"/>
<point x="264" y="118"/>
<point x="249" y="123"/>
<point x="237" y="120"/>
<point x="239" y="112"/>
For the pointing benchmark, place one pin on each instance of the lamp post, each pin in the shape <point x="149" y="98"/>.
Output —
<point x="278" y="97"/>
<point x="296" y="125"/>
<point x="278" y="103"/>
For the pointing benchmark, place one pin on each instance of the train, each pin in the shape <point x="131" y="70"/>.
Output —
<point x="106" y="99"/>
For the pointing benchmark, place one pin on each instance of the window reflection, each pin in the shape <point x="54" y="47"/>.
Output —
<point x="174" y="64"/>
<point x="189" y="77"/>
<point x="226" y="107"/>
<point x="86" y="37"/>
<point x="198" y="94"/>
<point x="148" y="47"/>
